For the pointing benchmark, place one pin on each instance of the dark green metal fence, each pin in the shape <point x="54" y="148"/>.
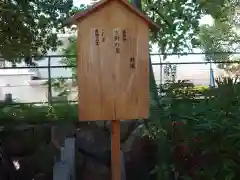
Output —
<point x="164" y="67"/>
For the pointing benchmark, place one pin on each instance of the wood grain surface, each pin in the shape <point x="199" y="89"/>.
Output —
<point x="113" y="71"/>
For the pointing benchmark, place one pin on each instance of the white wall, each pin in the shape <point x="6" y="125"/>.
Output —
<point x="18" y="81"/>
<point x="25" y="90"/>
<point x="19" y="85"/>
<point x="199" y="74"/>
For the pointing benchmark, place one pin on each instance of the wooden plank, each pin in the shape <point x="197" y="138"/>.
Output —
<point x="102" y="98"/>
<point x="116" y="151"/>
<point x="108" y="76"/>
<point x="126" y="104"/>
<point x="89" y="76"/>
<point x="143" y="72"/>
<point x="132" y="88"/>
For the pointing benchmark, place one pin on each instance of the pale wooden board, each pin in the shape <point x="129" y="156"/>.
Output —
<point x="109" y="88"/>
<point x="108" y="78"/>
<point x="127" y="103"/>
<point x="89" y="76"/>
<point x="143" y="73"/>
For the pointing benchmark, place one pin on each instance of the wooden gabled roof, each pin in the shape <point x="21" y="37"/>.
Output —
<point x="102" y="3"/>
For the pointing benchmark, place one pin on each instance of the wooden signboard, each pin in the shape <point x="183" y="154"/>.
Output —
<point x="113" y="67"/>
<point x="113" y="62"/>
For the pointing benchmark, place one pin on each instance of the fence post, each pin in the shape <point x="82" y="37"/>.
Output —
<point x="49" y="82"/>
<point x="65" y="168"/>
<point x="123" y="176"/>
<point x="61" y="171"/>
<point x="68" y="155"/>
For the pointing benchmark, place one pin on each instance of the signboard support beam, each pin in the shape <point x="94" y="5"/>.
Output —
<point x="116" y="150"/>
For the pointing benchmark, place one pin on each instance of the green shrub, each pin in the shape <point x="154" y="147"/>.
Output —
<point x="198" y="138"/>
<point x="14" y="114"/>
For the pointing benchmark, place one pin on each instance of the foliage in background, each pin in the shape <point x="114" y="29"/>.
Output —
<point x="179" y="21"/>
<point x="223" y="36"/>
<point x="63" y="87"/>
<point x="170" y="72"/>
<point x="14" y="114"/>
<point x="220" y="37"/>
<point x="71" y="50"/>
<point x="27" y="27"/>
<point x="198" y="133"/>
<point x="60" y="85"/>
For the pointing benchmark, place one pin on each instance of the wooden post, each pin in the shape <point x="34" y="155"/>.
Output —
<point x="113" y="67"/>
<point x="116" y="151"/>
